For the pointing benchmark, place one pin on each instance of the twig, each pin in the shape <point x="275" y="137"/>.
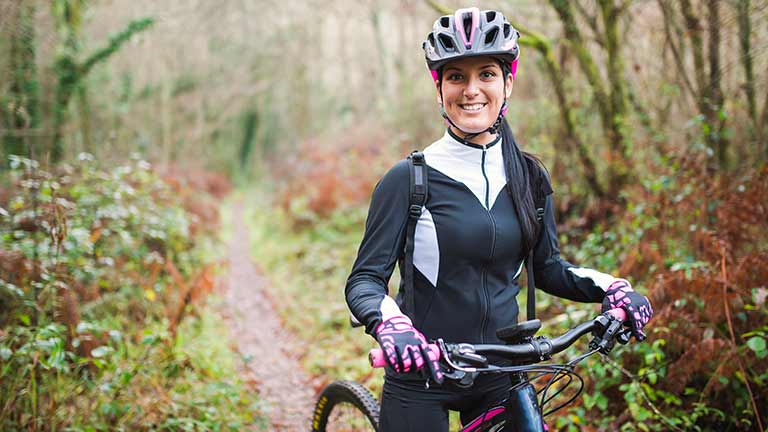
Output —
<point x="733" y="338"/>
<point x="633" y="381"/>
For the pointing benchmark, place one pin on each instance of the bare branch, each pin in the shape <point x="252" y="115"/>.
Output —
<point x="591" y="21"/>
<point x="681" y="70"/>
<point x="440" y="8"/>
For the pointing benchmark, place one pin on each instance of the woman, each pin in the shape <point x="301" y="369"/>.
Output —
<point x="477" y="227"/>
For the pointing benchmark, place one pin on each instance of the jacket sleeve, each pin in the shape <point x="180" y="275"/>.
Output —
<point x="557" y="276"/>
<point x="382" y="244"/>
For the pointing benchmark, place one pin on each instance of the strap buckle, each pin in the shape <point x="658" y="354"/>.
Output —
<point x="414" y="211"/>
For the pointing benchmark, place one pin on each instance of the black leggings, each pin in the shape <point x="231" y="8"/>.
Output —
<point x="407" y="406"/>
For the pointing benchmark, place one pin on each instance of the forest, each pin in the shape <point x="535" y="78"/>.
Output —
<point x="135" y="135"/>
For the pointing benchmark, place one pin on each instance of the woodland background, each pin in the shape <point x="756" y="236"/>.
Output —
<point x="126" y="126"/>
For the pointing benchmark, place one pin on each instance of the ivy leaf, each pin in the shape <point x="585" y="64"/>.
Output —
<point x="24" y="318"/>
<point x="101" y="351"/>
<point x="757" y="344"/>
<point x="5" y="353"/>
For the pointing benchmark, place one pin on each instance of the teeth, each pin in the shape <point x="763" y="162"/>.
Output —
<point x="472" y="107"/>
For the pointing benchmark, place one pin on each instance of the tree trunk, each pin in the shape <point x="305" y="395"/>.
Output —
<point x="22" y="103"/>
<point x="250" y="124"/>
<point x="745" y="30"/>
<point x="618" y="95"/>
<point x="716" y="101"/>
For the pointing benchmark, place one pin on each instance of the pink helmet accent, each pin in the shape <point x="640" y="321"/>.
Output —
<point x="458" y="19"/>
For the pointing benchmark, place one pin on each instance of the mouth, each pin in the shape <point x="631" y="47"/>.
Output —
<point x="473" y="107"/>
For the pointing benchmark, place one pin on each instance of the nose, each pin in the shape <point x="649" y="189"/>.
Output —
<point x="472" y="89"/>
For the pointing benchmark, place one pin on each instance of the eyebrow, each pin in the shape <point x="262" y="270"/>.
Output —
<point x="485" y="66"/>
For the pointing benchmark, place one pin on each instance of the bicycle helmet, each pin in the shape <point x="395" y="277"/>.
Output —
<point x="470" y="32"/>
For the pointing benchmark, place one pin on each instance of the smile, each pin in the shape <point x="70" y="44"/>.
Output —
<point x="472" y="107"/>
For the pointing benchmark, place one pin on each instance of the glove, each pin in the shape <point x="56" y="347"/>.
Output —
<point x="621" y="295"/>
<point x="405" y="348"/>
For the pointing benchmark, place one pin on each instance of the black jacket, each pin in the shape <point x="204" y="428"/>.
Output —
<point x="467" y="251"/>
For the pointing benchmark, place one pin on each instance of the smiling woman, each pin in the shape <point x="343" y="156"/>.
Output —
<point x="488" y="211"/>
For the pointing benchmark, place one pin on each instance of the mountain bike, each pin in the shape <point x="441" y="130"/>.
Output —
<point x="349" y="406"/>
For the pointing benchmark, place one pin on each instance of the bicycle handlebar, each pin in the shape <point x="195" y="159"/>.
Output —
<point x="537" y="349"/>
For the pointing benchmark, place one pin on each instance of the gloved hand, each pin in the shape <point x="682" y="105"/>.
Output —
<point x="405" y="348"/>
<point x="621" y="295"/>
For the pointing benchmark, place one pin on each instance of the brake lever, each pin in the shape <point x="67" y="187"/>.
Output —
<point x="612" y="332"/>
<point x="624" y="336"/>
<point x="471" y="358"/>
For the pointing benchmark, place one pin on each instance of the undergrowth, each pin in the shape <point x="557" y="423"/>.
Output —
<point x="104" y="276"/>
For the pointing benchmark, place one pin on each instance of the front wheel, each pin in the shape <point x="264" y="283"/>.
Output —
<point x="345" y="406"/>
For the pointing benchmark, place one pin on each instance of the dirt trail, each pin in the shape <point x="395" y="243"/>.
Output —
<point x="283" y="386"/>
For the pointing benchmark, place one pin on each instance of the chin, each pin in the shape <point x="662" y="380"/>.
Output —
<point x="473" y="127"/>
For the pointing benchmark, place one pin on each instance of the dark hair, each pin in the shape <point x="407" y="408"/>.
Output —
<point x="523" y="171"/>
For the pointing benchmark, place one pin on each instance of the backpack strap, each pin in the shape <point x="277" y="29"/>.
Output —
<point x="541" y="188"/>
<point x="418" y="197"/>
<point x="531" y="303"/>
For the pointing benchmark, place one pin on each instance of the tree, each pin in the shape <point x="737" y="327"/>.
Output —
<point x="19" y="109"/>
<point x="69" y="71"/>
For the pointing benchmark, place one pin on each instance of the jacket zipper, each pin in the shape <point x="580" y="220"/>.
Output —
<point x="486" y="296"/>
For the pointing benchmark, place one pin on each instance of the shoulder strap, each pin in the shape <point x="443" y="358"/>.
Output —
<point x="418" y="197"/>
<point x="541" y="188"/>
<point x="531" y="303"/>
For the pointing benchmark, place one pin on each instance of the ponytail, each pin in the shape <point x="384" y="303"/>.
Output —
<point x="521" y="169"/>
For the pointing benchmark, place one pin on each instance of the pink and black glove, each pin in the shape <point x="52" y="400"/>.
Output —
<point x="405" y="348"/>
<point x="621" y="295"/>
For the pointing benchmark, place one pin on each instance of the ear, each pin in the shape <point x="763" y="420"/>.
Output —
<point x="437" y="90"/>
<point x="510" y="84"/>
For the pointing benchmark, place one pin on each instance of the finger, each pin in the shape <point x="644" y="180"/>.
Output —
<point x="400" y="366"/>
<point x="432" y="366"/>
<point x="639" y="333"/>
<point x="415" y="359"/>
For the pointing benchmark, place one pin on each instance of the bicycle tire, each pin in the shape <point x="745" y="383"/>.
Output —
<point x="338" y="393"/>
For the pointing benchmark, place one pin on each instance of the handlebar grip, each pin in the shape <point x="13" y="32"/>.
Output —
<point x="619" y="313"/>
<point x="378" y="360"/>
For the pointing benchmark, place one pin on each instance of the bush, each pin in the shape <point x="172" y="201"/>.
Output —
<point x="98" y="270"/>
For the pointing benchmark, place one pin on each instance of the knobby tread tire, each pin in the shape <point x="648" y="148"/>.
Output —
<point x="344" y="391"/>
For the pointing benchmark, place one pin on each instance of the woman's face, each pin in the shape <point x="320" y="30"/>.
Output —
<point x="473" y="92"/>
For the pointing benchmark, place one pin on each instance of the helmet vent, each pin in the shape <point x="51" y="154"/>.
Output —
<point x="431" y="40"/>
<point x="491" y="36"/>
<point x="490" y="16"/>
<point x="467" y="26"/>
<point x="445" y="21"/>
<point x="447" y="42"/>
<point x="507" y="30"/>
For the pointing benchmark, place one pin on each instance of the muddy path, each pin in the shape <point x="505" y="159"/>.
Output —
<point x="284" y="389"/>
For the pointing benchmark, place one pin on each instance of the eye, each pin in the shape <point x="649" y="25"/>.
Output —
<point x="455" y="76"/>
<point x="487" y="74"/>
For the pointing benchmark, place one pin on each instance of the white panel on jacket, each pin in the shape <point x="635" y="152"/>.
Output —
<point x="603" y="280"/>
<point x="426" y="251"/>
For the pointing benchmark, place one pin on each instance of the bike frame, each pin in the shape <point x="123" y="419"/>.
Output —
<point x="520" y="412"/>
